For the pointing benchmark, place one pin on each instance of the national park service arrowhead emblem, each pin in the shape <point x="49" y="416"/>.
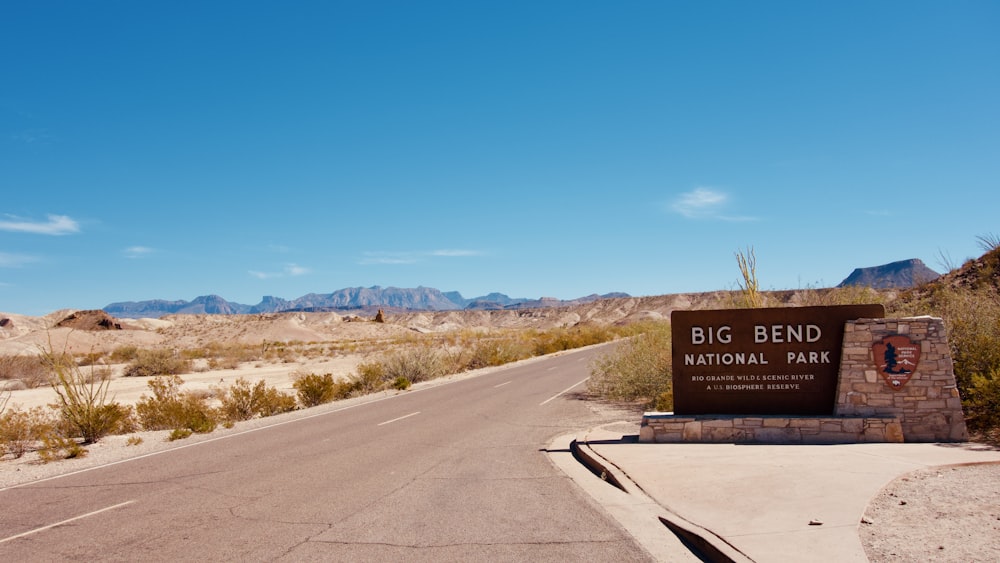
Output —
<point x="896" y="358"/>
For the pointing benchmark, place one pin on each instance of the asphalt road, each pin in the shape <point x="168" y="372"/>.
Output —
<point x="453" y="472"/>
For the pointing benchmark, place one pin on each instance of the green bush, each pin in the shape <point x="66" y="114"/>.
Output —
<point x="638" y="369"/>
<point x="171" y="409"/>
<point x="401" y="383"/>
<point x="313" y="389"/>
<point x="152" y="363"/>
<point x="241" y="401"/>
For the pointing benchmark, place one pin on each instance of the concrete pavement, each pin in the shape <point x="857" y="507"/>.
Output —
<point x="751" y="502"/>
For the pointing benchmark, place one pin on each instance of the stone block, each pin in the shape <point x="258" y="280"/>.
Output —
<point x="646" y="434"/>
<point x="717" y="423"/>
<point x="775" y="422"/>
<point x="717" y="434"/>
<point x="855" y="425"/>
<point x="777" y="436"/>
<point x="810" y="423"/>
<point x="692" y="432"/>
<point x="894" y="433"/>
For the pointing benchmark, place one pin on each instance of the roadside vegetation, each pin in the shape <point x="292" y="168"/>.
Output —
<point x="86" y="412"/>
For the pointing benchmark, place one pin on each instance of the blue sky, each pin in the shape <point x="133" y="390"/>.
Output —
<point x="543" y="148"/>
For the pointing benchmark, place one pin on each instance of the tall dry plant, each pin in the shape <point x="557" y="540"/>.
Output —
<point x="83" y="398"/>
<point x="750" y="287"/>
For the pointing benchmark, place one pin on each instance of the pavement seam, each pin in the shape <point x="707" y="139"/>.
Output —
<point x="713" y="547"/>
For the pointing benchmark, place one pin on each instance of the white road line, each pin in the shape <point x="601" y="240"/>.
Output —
<point x="75" y="518"/>
<point x="502" y="384"/>
<point x="556" y="396"/>
<point x="398" y="419"/>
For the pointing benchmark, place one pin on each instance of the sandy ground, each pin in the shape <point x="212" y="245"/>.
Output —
<point x="938" y="514"/>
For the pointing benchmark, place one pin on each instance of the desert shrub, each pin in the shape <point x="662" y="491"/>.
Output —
<point x="638" y="369"/>
<point x="371" y="377"/>
<point x="123" y="354"/>
<point x="179" y="434"/>
<point x="56" y="446"/>
<point x="224" y="356"/>
<point x="133" y="441"/>
<point x="495" y="352"/>
<point x="560" y="339"/>
<point x="152" y="363"/>
<point x="416" y="364"/>
<point x="241" y="401"/>
<point x="847" y="295"/>
<point x="171" y="409"/>
<point x="401" y="383"/>
<point x="982" y="403"/>
<point x="313" y="389"/>
<point x="223" y="363"/>
<point x="20" y="430"/>
<point x="32" y="371"/>
<point x="83" y="401"/>
<point x="89" y="359"/>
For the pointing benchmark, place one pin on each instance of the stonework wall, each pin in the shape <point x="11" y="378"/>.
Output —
<point x="668" y="428"/>
<point x="927" y="408"/>
<point x="928" y="405"/>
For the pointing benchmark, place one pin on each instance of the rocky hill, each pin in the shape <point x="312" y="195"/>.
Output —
<point x="896" y="275"/>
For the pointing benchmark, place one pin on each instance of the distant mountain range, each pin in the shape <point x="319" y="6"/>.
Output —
<point x="348" y="299"/>
<point x="901" y="275"/>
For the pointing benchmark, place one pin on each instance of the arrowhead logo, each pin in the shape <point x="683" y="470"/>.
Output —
<point x="896" y="358"/>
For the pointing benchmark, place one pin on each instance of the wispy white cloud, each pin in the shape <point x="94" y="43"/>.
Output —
<point x="389" y="258"/>
<point x="290" y="270"/>
<point x="455" y="252"/>
<point x="15" y="260"/>
<point x="296" y="270"/>
<point x="705" y="203"/>
<point x="56" y="225"/>
<point x="137" y="251"/>
<point x="413" y="257"/>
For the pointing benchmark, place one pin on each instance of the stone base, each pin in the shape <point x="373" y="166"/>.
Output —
<point x="740" y="429"/>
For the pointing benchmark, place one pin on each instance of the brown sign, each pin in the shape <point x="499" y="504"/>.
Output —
<point x="896" y="358"/>
<point x="760" y="361"/>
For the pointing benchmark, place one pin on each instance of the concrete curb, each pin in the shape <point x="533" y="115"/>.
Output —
<point x="704" y="543"/>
